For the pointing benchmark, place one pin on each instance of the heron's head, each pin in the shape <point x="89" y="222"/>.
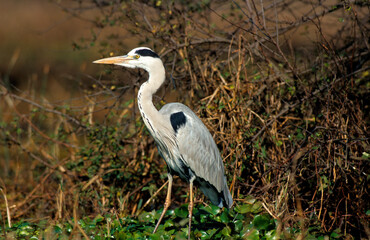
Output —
<point x="141" y="57"/>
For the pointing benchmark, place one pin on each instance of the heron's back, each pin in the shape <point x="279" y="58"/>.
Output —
<point x="196" y="154"/>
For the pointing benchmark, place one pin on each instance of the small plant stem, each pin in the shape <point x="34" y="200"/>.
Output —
<point x="7" y="208"/>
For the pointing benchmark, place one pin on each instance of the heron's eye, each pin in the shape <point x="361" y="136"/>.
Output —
<point x="137" y="56"/>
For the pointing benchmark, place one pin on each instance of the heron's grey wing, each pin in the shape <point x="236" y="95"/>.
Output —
<point x="199" y="151"/>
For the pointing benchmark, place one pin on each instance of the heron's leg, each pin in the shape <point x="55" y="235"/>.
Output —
<point x="191" y="204"/>
<point x="167" y="203"/>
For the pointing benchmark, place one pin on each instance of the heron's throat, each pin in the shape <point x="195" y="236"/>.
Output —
<point x="147" y="109"/>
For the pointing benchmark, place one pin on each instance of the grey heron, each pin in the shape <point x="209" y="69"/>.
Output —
<point x="183" y="141"/>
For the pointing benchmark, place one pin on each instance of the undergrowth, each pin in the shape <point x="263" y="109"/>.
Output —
<point x="246" y="221"/>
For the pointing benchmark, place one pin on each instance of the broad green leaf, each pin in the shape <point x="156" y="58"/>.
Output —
<point x="243" y="208"/>
<point x="261" y="222"/>
<point x="181" y="212"/>
<point x="224" y="217"/>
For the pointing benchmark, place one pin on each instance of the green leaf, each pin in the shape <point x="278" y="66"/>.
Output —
<point x="238" y="225"/>
<point x="224" y="217"/>
<point x="243" y="208"/>
<point x="24" y="233"/>
<point x="226" y="231"/>
<point x="57" y="229"/>
<point x="168" y="223"/>
<point x="251" y="234"/>
<point x="146" y="217"/>
<point x="256" y="208"/>
<point x="336" y="234"/>
<point x="212" y="209"/>
<point x="270" y="235"/>
<point x="98" y="218"/>
<point x="181" y="212"/>
<point x="261" y="222"/>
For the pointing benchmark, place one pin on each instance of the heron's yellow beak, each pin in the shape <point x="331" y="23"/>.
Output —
<point x="114" y="60"/>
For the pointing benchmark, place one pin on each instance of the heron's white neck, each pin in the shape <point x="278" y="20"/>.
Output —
<point x="147" y="109"/>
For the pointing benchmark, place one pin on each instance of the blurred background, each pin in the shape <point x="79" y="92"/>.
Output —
<point x="54" y="42"/>
<point x="37" y="42"/>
